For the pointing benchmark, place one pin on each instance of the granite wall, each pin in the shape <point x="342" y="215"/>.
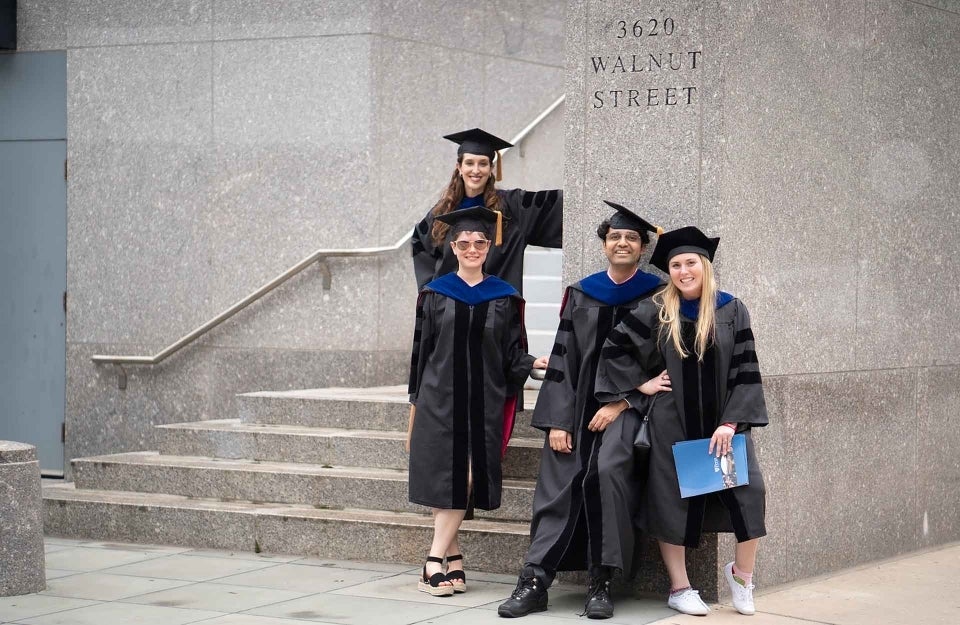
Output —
<point x="214" y="143"/>
<point x="820" y="141"/>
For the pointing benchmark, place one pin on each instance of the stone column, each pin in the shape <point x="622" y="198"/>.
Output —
<point x="21" y="521"/>
<point x="820" y="142"/>
<point x="638" y="75"/>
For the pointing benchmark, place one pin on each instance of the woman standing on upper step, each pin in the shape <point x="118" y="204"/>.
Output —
<point x="469" y="351"/>
<point x="528" y="217"/>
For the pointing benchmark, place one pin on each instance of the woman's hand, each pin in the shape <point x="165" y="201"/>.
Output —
<point x="561" y="441"/>
<point x="541" y="362"/>
<point x="656" y="385"/>
<point x="722" y="441"/>
<point x="607" y="415"/>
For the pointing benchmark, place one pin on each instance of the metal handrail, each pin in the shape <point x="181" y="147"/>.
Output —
<point x="249" y="299"/>
<point x="317" y="256"/>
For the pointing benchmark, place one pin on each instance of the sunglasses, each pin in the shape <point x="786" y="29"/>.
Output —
<point x="479" y="245"/>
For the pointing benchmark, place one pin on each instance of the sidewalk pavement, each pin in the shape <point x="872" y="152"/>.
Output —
<point x="95" y="583"/>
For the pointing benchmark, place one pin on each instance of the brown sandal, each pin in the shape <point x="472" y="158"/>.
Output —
<point x="457" y="578"/>
<point x="432" y="585"/>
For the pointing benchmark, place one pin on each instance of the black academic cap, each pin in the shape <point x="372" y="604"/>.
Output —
<point x="682" y="241"/>
<point x="478" y="141"/>
<point x="474" y="219"/>
<point x="626" y="219"/>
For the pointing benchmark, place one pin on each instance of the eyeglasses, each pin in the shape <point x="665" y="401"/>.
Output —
<point x="614" y="237"/>
<point x="478" y="245"/>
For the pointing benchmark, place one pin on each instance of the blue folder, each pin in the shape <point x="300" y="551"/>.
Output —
<point x="700" y="473"/>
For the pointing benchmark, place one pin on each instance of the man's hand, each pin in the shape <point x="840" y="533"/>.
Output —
<point x="561" y="441"/>
<point x="607" y="415"/>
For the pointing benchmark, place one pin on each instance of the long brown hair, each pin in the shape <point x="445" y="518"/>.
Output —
<point x="451" y="198"/>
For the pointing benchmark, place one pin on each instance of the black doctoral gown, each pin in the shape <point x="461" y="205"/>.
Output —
<point x="575" y="525"/>
<point x="724" y="388"/>
<point x="469" y="356"/>
<point x="531" y="218"/>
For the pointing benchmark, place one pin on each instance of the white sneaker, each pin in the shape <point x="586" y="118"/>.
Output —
<point x="688" y="602"/>
<point x="742" y="595"/>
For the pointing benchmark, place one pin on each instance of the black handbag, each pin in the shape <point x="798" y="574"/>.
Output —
<point x="641" y="442"/>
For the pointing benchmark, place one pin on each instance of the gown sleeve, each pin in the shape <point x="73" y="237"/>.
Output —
<point x="423" y="342"/>
<point x="557" y="403"/>
<point x="517" y="361"/>
<point x="744" y="403"/>
<point x="426" y="256"/>
<point x="630" y="356"/>
<point x="540" y="215"/>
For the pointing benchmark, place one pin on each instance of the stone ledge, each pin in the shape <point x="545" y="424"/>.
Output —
<point x="354" y="534"/>
<point x="22" y="564"/>
<point x="229" y="438"/>
<point x="13" y="452"/>
<point x="248" y="480"/>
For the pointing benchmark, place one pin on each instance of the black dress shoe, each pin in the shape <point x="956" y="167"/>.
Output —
<point x="530" y="595"/>
<point x="599" y="604"/>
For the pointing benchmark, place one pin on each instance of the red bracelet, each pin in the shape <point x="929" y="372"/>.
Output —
<point x="732" y="426"/>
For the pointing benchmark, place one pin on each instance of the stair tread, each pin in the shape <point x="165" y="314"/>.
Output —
<point x="376" y="394"/>
<point x="236" y="425"/>
<point x="551" y="305"/>
<point x="386" y="394"/>
<point x="152" y="458"/>
<point x="67" y="492"/>
<point x="542" y="278"/>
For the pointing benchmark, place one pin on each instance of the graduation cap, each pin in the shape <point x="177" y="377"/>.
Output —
<point x="475" y="219"/>
<point x="682" y="241"/>
<point x="626" y="219"/>
<point x="477" y="141"/>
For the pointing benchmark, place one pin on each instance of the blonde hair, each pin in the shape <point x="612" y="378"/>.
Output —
<point x="668" y="300"/>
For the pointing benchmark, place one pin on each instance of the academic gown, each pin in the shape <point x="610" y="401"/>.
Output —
<point x="574" y="524"/>
<point x="469" y="355"/>
<point x="530" y="218"/>
<point x="725" y="388"/>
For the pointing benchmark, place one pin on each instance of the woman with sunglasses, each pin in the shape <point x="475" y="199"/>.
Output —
<point x="469" y="351"/>
<point x="528" y="217"/>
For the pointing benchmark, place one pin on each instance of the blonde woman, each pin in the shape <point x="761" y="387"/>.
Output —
<point x="691" y="346"/>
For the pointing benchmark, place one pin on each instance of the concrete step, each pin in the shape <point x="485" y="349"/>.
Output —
<point x="231" y="438"/>
<point x="542" y="261"/>
<point x="542" y="289"/>
<point x="377" y="408"/>
<point x="353" y="534"/>
<point x="540" y="343"/>
<point x="544" y="317"/>
<point x="283" y="482"/>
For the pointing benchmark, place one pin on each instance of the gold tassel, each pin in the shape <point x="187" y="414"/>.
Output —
<point x="499" y="170"/>
<point x="659" y="231"/>
<point x="499" y="238"/>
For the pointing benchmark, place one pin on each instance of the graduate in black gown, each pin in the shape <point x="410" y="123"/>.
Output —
<point x="692" y="347"/>
<point x="529" y="217"/>
<point x="575" y="524"/>
<point x="469" y="359"/>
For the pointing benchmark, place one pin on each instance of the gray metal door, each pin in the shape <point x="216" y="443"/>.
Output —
<point x="33" y="252"/>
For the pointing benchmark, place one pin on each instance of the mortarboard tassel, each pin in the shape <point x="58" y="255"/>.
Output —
<point x="499" y="238"/>
<point x="659" y="231"/>
<point x="499" y="172"/>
